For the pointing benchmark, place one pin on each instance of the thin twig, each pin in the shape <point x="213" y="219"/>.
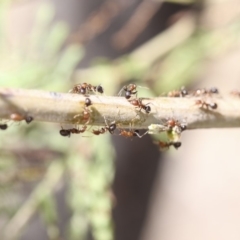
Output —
<point x="68" y="108"/>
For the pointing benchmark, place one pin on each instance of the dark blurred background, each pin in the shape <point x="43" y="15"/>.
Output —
<point x="109" y="187"/>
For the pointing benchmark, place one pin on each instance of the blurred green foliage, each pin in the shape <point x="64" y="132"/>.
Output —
<point x="39" y="60"/>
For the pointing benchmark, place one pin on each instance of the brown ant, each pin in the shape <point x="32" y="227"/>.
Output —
<point x="99" y="131"/>
<point x="206" y="105"/>
<point x="130" y="90"/>
<point x="171" y="123"/>
<point x="204" y="91"/>
<point x="131" y="133"/>
<point x="86" y="110"/>
<point x="138" y="103"/>
<point x="19" y="117"/>
<point x="110" y="128"/>
<point x="86" y="115"/>
<point x="166" y="145"/>
<point x="85" y="88"/>
<point x="178" y="93"/>
<point x="67" y="132"/>
<point x="3" y="126"/>
<point x="128" y="134"/>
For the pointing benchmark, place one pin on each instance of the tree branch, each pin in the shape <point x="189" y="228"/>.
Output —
<point x="69" y="108"/>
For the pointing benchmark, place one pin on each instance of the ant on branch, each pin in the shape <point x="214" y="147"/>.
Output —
<point x="166" y="145"/>
<point x="138" y="103"/>
<point x="99" y="131"/>
<point x="86" y="114"/>
<point x="86" y="111"/>
<point x="86" y="88"/>
<point x="130" y="90"/>
<point x="205" y="105"/>
<point x="129" y="134"/>
<point x="67" y="132"/>
<point x="110" y="128"/>
<point x="19" y="117"/>
<point x="178" y="93"/>
<point x="171" y="123"/>
<point x="204" y="91"/>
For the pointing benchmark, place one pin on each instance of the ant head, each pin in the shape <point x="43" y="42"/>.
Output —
<point x="28" y="119"/>
<point x="213" y="105"/>
<point x="99" y="89"/>
<point x="112" y="127"/>
<point x="147" y="109"/>
<point x="88" y="102"/>
<point x="177" y="144"/>
<point x="183" y="126"/>
<point x="184" y="91"/>
<point x="128" y="94"/>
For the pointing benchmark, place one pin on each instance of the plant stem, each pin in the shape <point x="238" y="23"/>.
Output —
<point x="68" y="108"/>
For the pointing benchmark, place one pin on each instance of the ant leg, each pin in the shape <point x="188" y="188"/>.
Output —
<point x="120" y="92"/>
<point x="140" y="136"/>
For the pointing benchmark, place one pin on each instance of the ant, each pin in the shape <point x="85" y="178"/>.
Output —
<point x="99" y="131"/>
<point x="110" y="128"/>
<point x="86" y="114"/>
<point x="87" y="111"/>
<point x="138" y="103"/>
<point x="88" y="102"/>
<point x="171" y="123"/>
<point x="203" y="104"/>
<point x="178" y="93"/>
<point x="67" y="132"/>
<point x="18" y="117"/>
<point x="130" y="90"/>
<point x="3" y="126"/>
<point x="131" y="133"/>
<point x="85" y="88"/>
<point x="203" y="91"/>
<point x="166" y="145"/>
